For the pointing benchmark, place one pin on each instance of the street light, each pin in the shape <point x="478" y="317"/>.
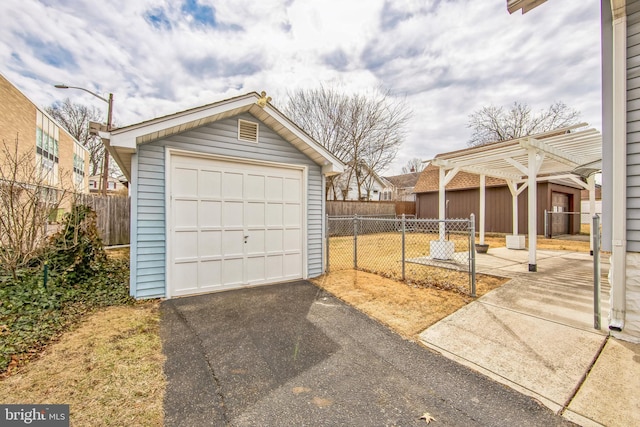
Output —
<point x="109" y="101"/>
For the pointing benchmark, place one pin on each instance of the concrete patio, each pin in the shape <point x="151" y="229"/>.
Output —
<point x="536" y="334"/>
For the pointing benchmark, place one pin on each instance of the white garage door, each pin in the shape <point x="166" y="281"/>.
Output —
<point x="232" y="225"/>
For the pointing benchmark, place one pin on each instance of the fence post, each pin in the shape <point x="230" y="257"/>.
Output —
<point x="355" y="242"/>
<point x="328" y="234"/>
<point x="546" y="224"/>
<point x="472" y="252"/>
<point x="403" y="244"/>
<point x="595" y="231"/>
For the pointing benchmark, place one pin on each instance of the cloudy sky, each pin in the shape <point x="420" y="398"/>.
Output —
<point x="445" y="58"/>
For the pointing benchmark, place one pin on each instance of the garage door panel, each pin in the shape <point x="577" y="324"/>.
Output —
<point x="185" y="212"/>
<point x="233" y="214"/>
<point x="232" y="272"/>
<point x="210" y="183"/>
<point x="292" y="240"/>
<point x="292" y="265"/>
<point x="210" y="243"/>
<point x="214" y="205"/>
<point x="232" y="186"/>
<point x="274" y="265"/>
<point x="274" y="241"/>
<point x="184" y="181"/>
<point x="291" y="190"/>
<point x="275" y="215"/>
<point x="256" y="242"/>
<point x="274" y="189"/>
<point x="210" y="213"/>
<point x="185" y="245"/>
<point x="254" y="187"/>
<point x="185" y="277"/>
<point x="255" y="215"/>
<point x="292" y="215"/>
<point x="209" y="274"/>
<point x="255" y="269"/>
<point x="233" y="243"/>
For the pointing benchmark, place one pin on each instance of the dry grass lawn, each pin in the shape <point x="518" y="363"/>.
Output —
<point x="109" y="370"/>
<point x="407" y="309"/>
<point x="429" y="293"/>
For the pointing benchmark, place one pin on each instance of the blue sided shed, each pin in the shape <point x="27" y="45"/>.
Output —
<point x="223" y="196"/>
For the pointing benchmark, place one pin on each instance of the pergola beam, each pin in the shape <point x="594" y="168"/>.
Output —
<point x="553" y="152"/>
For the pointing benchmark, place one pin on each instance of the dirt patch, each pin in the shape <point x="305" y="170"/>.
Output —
<point x="406" y="308"/>
<point x="109" y="370"/>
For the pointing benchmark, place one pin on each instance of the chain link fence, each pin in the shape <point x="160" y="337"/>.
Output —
<point x="423" y="252"/>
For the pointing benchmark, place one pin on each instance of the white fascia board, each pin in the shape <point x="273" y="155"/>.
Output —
<point x="127" y="136"/>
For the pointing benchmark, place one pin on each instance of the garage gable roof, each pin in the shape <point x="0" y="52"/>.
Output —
<point x="123" y="142"/>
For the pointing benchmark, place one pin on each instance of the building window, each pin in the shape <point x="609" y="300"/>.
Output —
<point x="111" y="185"/>
<point x="78" y="164"/>
<point x="47" y="145"/>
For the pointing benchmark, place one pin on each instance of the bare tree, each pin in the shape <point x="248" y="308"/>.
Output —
<point x="493" y="124"/>
<point x="363" y="130"/>
<point x="414" y="165"/>
<point x="75" y="119"/>
<point x="28" y="195"/>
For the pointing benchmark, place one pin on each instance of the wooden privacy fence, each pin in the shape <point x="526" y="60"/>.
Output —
<point x="113" y="215"/>
<point x="380" y="209"/>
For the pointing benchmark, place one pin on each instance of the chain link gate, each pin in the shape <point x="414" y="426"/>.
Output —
<point x="422" y="252"/>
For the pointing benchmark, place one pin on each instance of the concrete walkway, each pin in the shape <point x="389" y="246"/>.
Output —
<point x="536" y="335"/>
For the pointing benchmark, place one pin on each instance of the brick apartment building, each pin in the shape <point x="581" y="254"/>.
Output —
<point x="64" y="161"/>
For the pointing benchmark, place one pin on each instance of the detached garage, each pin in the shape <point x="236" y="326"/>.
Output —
<point x="224" y="196"/>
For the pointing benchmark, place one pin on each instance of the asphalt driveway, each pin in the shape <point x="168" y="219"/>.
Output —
<point x="292" y="354"/>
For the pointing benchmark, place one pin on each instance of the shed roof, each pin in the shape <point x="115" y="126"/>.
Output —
<point x="429" y="179"/>
<point x="407" y="180"/>
<point x="123" y="142"/>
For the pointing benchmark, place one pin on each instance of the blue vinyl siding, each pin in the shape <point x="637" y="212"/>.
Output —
<point x="219" y="138"/>
<point x="633" y="128"/>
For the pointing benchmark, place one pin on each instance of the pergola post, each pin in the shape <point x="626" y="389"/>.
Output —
<point x="482" y="207"/>
<point x="591" y="184"/>
<point x="532" y="202"/>
<point x="441" y="204"/>
<point x="514" y="203"/>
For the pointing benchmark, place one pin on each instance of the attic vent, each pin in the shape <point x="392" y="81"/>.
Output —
<point x="247" y="131"/>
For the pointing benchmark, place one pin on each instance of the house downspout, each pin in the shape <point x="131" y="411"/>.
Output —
<point x="617" y="274"/>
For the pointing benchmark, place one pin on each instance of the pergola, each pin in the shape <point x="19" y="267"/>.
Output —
<point x="561" y="155"/>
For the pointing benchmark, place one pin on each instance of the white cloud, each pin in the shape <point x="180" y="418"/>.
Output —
<point x="448" y="58"/>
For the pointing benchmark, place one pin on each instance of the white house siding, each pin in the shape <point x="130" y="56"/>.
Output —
<point x="219" y="138"/>
<point x="632" y="316"/>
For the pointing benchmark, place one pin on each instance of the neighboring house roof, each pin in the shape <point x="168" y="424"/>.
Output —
<point x="382" y="181"/>
<point x="124" y="141"/>
<point x="407" y="180"/>
<point x="430" y="178"/>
